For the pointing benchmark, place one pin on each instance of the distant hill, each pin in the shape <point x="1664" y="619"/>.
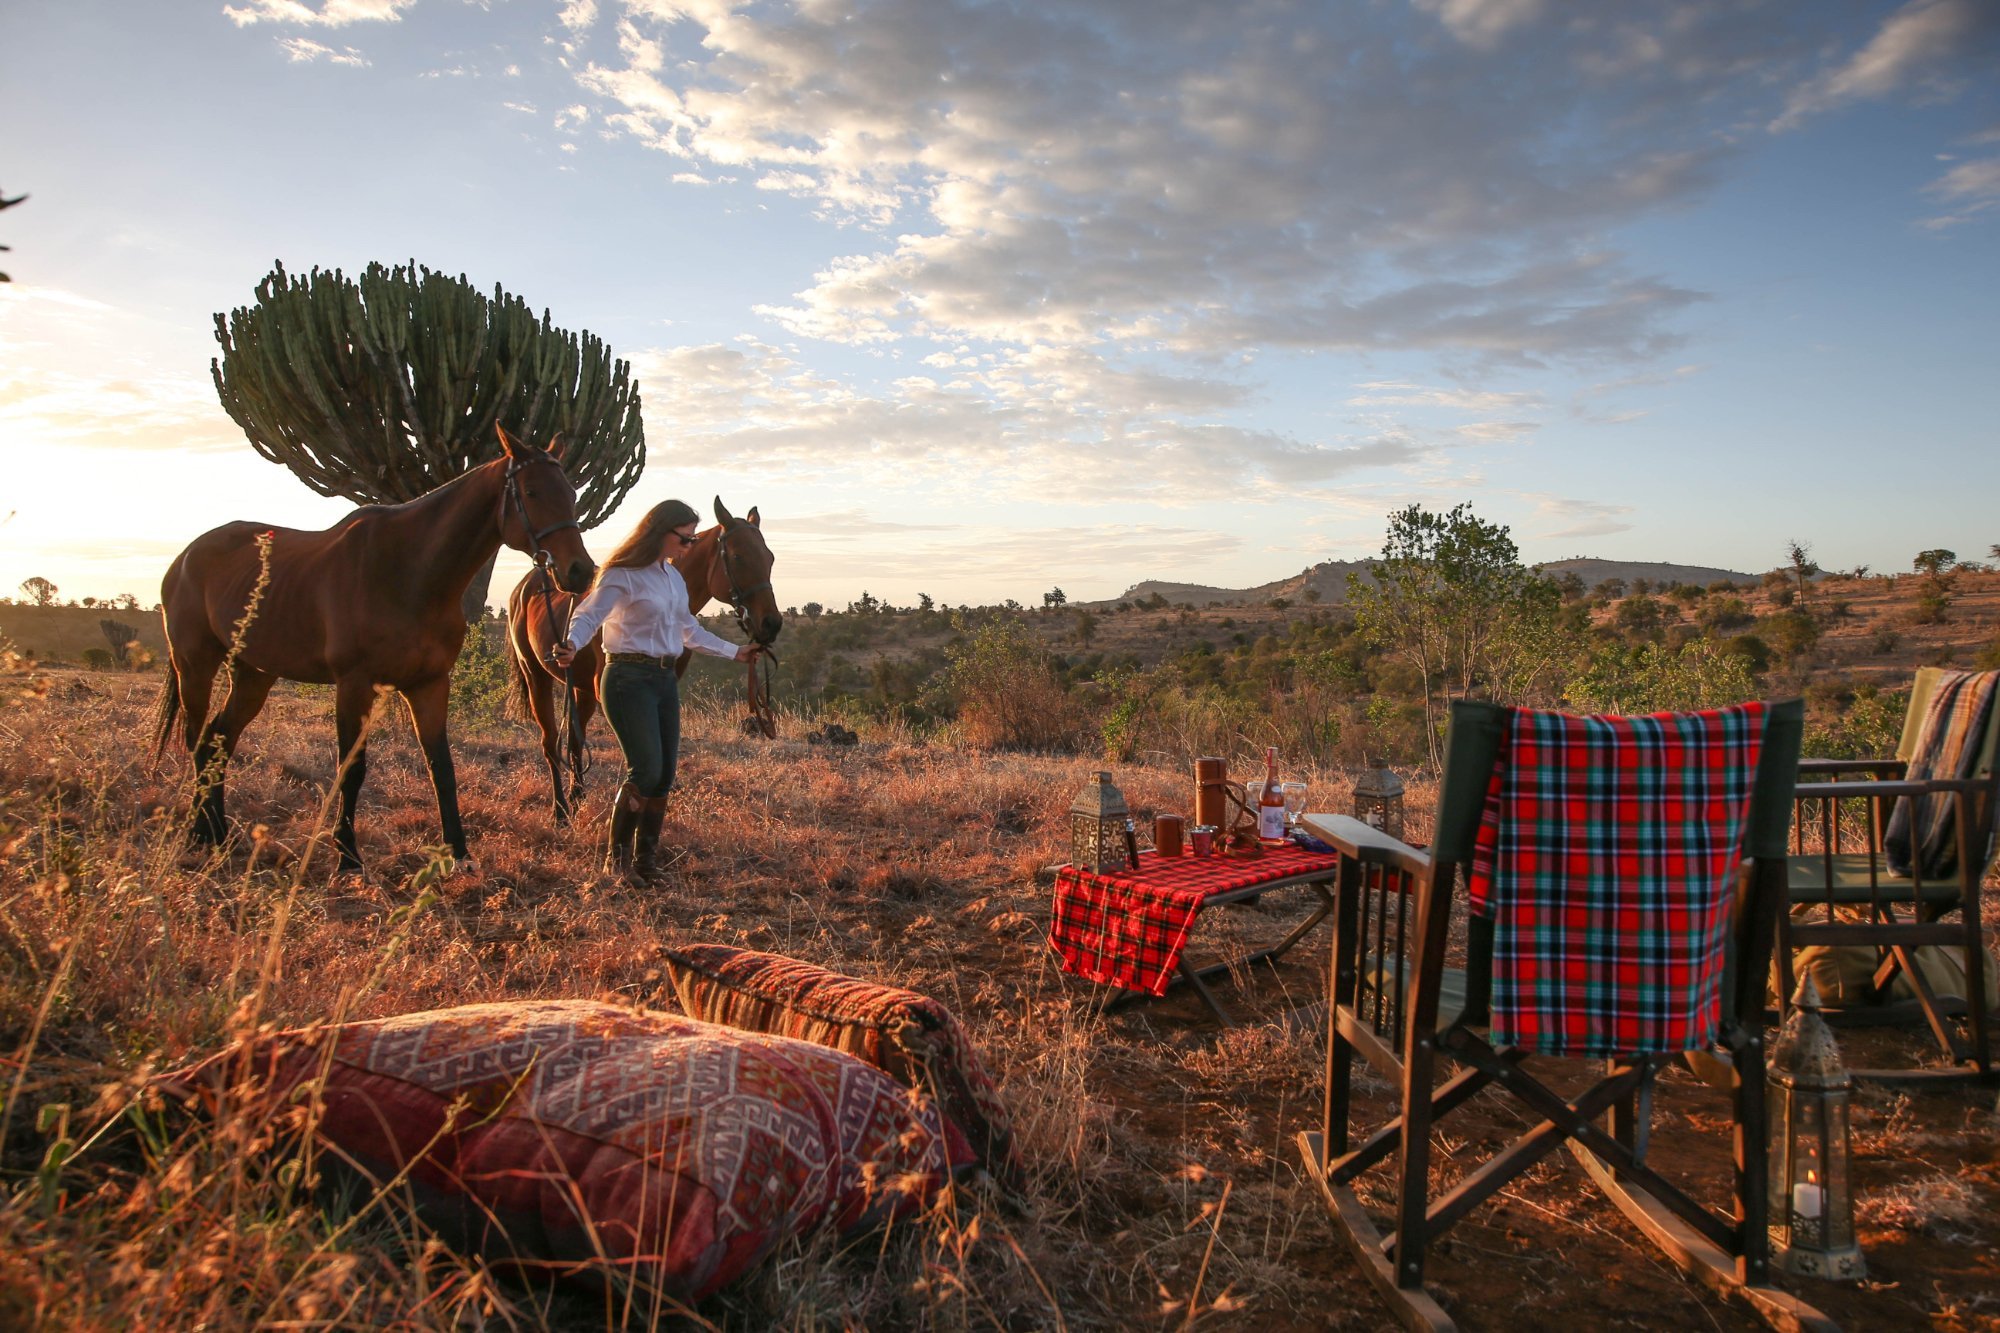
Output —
<point x="1329" y="579"/>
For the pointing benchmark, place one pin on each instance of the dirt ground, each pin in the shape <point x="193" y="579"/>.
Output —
<point x="1165" y="1190"/>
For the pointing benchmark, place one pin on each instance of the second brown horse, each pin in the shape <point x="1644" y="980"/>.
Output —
<point x="727" y="563"/>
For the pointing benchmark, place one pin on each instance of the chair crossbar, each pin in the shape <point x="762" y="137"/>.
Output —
<point x="1453" y="1092"/>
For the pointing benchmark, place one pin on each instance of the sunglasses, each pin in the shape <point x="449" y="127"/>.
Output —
<point x="685" y="538"/>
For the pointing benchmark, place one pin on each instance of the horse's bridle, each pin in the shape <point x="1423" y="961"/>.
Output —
<point x="738" y="597"/>
<point x="511" y="493"/>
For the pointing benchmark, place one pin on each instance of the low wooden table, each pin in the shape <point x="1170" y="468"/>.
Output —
<point x="1129" y="929"/>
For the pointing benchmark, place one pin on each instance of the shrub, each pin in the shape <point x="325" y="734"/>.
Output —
<point x="1008" y="693"/>
<point x="483" y="676"/>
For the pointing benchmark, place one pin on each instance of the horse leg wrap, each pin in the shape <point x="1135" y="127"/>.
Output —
<point x="625" y="811"/>
<point x="652" y="817"/>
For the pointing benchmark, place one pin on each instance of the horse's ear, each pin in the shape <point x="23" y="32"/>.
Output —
<point x="556" y="447"/>
<point x="722" y="514"/>
<point x="752" y="517"/>
<point x="508" y="443"/>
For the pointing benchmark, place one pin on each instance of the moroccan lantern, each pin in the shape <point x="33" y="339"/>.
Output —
<point x="1378" y="798"/>
<point x="1811" y="1188"/>
<point x="1097" y="821"/>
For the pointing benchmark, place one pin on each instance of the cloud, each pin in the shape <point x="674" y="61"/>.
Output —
<point x="330" y="14"/>
<point x="1482" y="23"/>
<point x="304" y="50"/>
<point x="1061" y="423"/>
<point x="1930" y="46"/>
<point x="1350" y="177"/>
<point x="120" y="402"/>
<point x="992" y="562"/>
<point x="1397" y="393"/>
<point x="1973" y="186"/>
<point x="1566" y="517"/>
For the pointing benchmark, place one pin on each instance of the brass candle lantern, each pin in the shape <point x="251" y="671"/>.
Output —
<point x="1097" y="820"/>
<point x="1811" y="1189"/>
<point x="1378" y="798"/>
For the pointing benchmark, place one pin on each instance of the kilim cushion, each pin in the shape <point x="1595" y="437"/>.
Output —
<point x="568" y="1136"/>
<point x="911" y="1037"/>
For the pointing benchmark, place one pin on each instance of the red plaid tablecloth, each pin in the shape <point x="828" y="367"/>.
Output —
<point x="1128" y="929"/>
<point x="1605" y="861"/>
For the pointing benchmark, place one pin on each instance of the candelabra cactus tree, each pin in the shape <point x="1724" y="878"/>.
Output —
<point x="381" y="389"/>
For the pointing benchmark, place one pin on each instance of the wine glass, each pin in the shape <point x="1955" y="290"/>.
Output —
<point x="1295" y="802"/>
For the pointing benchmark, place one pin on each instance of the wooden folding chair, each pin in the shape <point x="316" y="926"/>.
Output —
<point x="1430" y="1028"/>
<point x="1842" y="896"/>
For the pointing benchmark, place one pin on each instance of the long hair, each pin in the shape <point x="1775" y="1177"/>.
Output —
<point x="648" y="541"/>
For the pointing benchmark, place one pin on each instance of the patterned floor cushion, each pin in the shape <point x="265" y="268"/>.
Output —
<point x="559" y="1135"/>
<point x="911" y="1037"/>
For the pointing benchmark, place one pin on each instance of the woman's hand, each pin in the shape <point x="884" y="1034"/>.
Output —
<point x="562" y="654"/>
<point x="750" y="652"/>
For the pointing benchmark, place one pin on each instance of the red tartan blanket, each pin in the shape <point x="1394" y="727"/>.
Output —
<point x="1606" y="860"/>
<point x="1128" y="929"/>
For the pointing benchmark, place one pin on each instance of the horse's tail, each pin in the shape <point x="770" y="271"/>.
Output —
<point x="520" y="647"/>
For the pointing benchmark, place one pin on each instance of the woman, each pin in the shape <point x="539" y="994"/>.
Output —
<point x="641" y="603"/>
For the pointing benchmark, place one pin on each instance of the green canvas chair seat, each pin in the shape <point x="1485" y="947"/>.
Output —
<point x="1412" y="991"/>
<point x="1858" y="878"/>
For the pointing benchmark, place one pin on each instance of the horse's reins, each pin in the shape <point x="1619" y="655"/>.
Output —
<point x="545" y="566"/>
<point x="762" y="715"/>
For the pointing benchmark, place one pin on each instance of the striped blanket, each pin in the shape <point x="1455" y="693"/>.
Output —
<point x="1923" y="830"/>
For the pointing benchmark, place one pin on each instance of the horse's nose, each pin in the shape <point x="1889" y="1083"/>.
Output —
<point x="581" y="572"/>
<point x="768" y="627"/>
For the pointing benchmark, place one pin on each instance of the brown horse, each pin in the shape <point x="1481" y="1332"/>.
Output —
<point x="371" y="602"/>
<point x="728" y="563"/>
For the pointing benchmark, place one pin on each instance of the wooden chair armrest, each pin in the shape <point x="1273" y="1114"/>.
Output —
<point x="1919" y="787"/>
<point x="1892" y="766"/>
<point x="1366" y="843"/>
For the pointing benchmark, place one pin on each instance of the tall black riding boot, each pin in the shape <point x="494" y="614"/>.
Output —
<point x="625" y="808"/>
<point x="652" y="817"/>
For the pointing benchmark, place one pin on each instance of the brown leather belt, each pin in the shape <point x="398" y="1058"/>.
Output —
<point x="664" y="663"/>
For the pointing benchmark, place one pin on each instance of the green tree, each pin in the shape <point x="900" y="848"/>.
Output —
<point x="1933" y="563"/>
<point x="1650" y="677"/>
<point x="1451" y="599"/>
<point x="40" y="591"/>
<point x="1934" y="593"/>
<point x="1053" y="597"/>
<point x="1802" y="565"/>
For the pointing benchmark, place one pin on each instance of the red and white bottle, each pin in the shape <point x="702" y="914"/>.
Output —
<point x="1271" y="801"/>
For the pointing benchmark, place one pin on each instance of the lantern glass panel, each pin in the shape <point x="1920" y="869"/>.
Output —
<point x="1378" y="798"/>
<point x="1839" y="1222"/>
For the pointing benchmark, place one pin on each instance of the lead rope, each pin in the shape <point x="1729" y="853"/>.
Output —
<point x="763" y="719"/>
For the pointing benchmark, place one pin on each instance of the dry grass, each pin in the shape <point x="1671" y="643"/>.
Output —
<point x="1162" y="1192"/>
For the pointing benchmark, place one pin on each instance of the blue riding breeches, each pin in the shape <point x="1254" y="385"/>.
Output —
<point x="643" y="704"/>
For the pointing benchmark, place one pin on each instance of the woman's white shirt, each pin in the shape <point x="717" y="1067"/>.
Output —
<point x="644" y="610"/>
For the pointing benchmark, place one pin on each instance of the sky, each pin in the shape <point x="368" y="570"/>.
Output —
<point x="981" y="298"/>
